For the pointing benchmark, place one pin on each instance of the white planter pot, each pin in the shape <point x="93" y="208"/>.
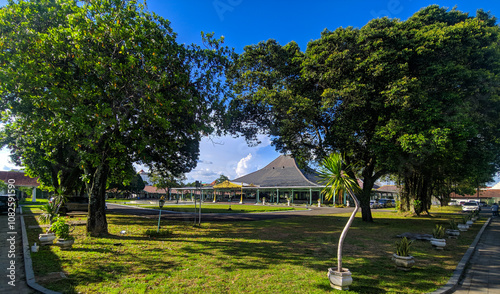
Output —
<point x="474" y="219"/>
<point x="404" y="263"/>
<point x="463" y="227"/>
<point x="65" y="244"/>
<point x="46" y="239"/>
<point x="470" y="223"/>
<point x="438" y="243"/>
<point x="453" y="233"/>
<point x="340" y="280"/>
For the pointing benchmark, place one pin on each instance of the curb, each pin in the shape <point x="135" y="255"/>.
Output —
<point x="459" y="271"/>
<point x="28" y="264"/>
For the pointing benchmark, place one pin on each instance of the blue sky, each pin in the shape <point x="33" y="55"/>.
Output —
<point x="247" y="22"/>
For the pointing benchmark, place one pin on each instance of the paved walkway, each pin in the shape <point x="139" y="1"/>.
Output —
<point x="483" y="273"/>
<point x="11" y="257"/>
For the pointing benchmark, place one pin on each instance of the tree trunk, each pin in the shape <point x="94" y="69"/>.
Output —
<point x="364" y="199"/>
<point x="97" y="224"/>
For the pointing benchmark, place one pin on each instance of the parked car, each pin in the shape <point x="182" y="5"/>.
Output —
<point x="4" y="203"/>
<point x="385" y="202"/>
<point x="471" y="206"/>
<point x="374" y="204"/>
<point x="75" y="204"/>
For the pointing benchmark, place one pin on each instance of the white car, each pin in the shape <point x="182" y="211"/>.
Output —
<point x="471" y="206"/>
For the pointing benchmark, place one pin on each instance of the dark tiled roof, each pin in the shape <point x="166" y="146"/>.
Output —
<point x="20" y="179"/>
<point x="281" y="172"/>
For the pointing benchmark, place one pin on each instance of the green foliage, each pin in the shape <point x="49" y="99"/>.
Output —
<point x="49" y="213"/>
<point x="336" y="176"/>
<point x="453" y="225"/>
<point x="438" y="232"/>
<point x="403" y="247"/>
<point x="221" y="179"/>
<point x="416" y="98"/>
<point x="166" y="180"/>
<point x="92" y="88"/>
<point x="61" y="229"/>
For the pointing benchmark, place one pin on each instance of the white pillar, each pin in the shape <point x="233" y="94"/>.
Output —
<point x="33" y="197"/>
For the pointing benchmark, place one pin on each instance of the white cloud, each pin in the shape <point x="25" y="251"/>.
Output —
<point x="221" y="155"/>
<point x="5" y="162"/>
<point x="243" y="165"/>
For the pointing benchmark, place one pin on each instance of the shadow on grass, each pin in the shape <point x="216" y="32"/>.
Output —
<point x="45" y="261"/>
<point x="301" y="242"/>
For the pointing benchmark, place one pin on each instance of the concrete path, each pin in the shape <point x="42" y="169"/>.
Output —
<point x="483" y="273"/>
<point x="12" y="274"/>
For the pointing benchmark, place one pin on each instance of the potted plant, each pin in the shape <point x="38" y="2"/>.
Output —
<point x="470" y="222"/>
<point x="404" y="261"/>
<point x="453" y="231"/>
<point x="47" y="217"/>
<point x="62" y="231"/>
<point x="337" y="176"/>
<point x="438" y="241"/>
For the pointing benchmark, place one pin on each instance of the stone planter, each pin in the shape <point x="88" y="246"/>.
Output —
<point x="340" y="280"/>
<point x="438" y="243"/>
<point x="65" y="244"/>
<point x="453" y="233"/>
<point x="46" y="239"/>
<point x="470" y="223"/>
<point x="463" y="227"/>
<point x="404" y="263"/>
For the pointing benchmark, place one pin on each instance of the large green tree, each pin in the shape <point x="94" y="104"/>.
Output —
<point x="446" y="130"/>
<point x="108" y="80"/>
<point x="393" y="97"/>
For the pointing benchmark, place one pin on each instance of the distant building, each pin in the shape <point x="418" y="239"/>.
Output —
<point x="145" y="177"/>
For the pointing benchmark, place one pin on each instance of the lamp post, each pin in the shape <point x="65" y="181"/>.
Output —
<point x="198" y="186"/>
<point x="161" y="202"/>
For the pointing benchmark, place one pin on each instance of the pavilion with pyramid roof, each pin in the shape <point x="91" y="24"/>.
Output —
<point x="280" y="180"/>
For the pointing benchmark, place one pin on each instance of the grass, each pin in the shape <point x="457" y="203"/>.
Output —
<point x="211" y="207"/>
<point x="224" y="208"/>
<point x="289" y="255"/>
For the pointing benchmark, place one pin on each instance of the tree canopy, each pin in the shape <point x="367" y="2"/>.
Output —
<point x="411" y="97"/>
<point x="107" y="80"/>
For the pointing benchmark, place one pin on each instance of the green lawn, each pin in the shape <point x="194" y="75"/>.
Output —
<point x="289" y="255"/>
<point x="224" y="208"/>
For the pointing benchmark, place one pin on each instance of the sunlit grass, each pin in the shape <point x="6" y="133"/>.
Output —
<point x="290" y="255"/>
<point x="216" y="208"/>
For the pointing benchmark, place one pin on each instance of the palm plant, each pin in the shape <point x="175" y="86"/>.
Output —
<point x="335" y="174"/>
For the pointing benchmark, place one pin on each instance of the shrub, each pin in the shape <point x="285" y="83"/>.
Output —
<point x="403" y="247"/>
<point x="453" y="225"/>
<point x="438" y="232"/>
<point x="61" y="229"/>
